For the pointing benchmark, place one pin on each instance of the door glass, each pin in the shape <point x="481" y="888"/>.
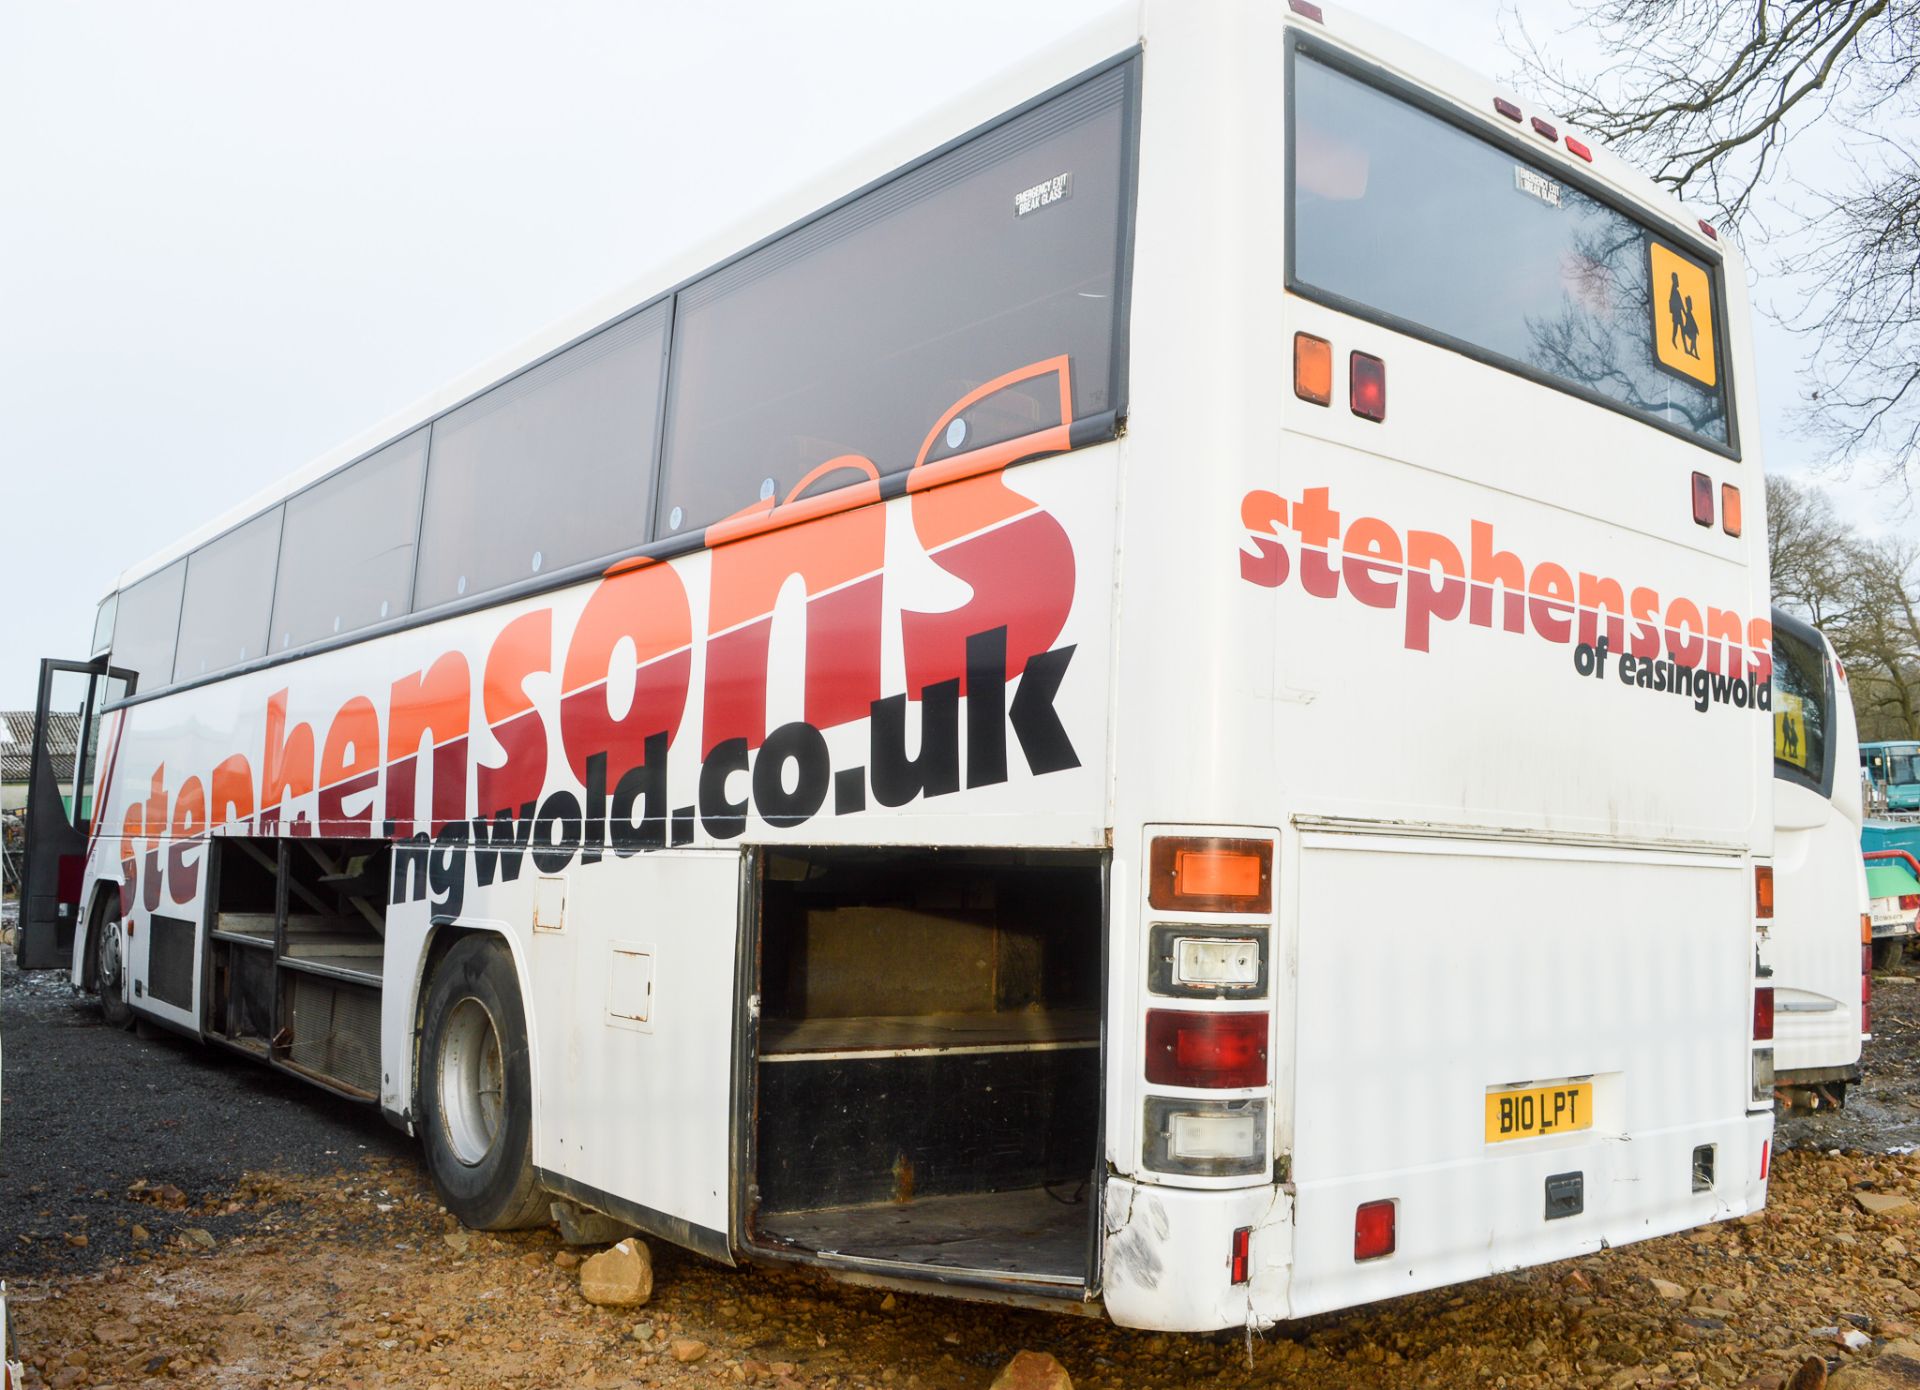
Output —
<point x="67" y="710"/>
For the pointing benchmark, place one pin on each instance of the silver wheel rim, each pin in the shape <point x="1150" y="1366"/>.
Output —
<point x="109" y="957"/>
<point x="472" y="1081"/>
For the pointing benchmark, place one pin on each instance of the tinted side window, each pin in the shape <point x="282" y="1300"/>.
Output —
<point x="145" y="625"/>
<point x="1511" y="260"/>
<point x="546" y="470"/>
<point x="346" y="561"/>
<point x="1799" y="706"/>
<point x="855" y="333"/>
<point x="229" y="598"/>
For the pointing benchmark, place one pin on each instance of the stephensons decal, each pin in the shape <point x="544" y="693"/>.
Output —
<point x="1660" y="644"/>
<point x="588" y="776"/>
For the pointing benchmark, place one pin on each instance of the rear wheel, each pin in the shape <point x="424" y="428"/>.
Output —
<point x="108" y="945"/>
<point x="1887" y="952"/>
<point x="476" y="1090"/>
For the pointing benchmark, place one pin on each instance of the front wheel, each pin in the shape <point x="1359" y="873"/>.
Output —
<point x="110" y="965"/>
<point x="476" y="1090"/>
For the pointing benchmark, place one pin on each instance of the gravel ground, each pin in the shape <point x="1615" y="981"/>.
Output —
<point x="287" y="1240"/>
<point x="1883" y="1109"/>
<point x="90" y="1111"/>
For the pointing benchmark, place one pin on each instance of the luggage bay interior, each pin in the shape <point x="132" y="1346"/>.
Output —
<point x="927" y="1077"/>
<point x="296" y="938"/>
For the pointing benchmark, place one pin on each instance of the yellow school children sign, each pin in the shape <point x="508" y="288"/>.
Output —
<point x="1682" y="315"/>
<point x="1789" y="729"/>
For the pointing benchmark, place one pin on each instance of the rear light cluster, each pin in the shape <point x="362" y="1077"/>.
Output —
<point x="1763" y="1013"/>
<point x="1703" y="504"/>
<point x="1222" y="1044"/>
<point x="1313" y="377"/>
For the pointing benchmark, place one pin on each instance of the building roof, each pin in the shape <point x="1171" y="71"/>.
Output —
<point x="16" y="743"/>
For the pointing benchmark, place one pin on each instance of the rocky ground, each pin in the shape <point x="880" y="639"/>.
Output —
<point x="290" y="1243"/>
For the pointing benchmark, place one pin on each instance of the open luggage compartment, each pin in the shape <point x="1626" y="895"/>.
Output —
<point x="926" y="1081"/>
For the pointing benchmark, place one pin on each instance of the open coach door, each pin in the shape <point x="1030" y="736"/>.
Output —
<point x="66" y="736"/>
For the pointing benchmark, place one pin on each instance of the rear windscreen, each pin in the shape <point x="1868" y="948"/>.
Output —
<point x="1453" y="237"/>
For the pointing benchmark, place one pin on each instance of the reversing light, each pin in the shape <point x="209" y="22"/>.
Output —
<point x="1579" y="147"/>
<point x="1730" y="509"/>
<point x="1506" y="108"/>
<point x="1763" y="1013"/>
<point x="1312" y="369"/>
<point x="1763" y="890"/>
<point x="1545" y="128"/>
<point x="1216" y="961"/>
<point x="1762" y="1093"/>
<point x="1702" y="500"/>
<point x="1239" y="1261"/>
<point x="1205" y="1138"/>
<point x="1367" y="386"/>
<point x="1373" y="1234"/>
<point x="1206" y="1050"/>
<point x="1209" y="874"/>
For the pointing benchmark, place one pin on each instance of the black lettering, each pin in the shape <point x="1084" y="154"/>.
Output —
<point x="449" y="868"/>
<point x="987" y="708"/>
<point x="682" y="826"/>
<point x="410" y="871"/>
<point x="723" y="819"/>
<point x="1583" y="658"/>
<point x="806" y="748"/>
<point x="556" y="831"/>
<point x="499" y="842"/>
<point x="849" y="791"/>
<point x="644" y="783"/>
<point x="1506" y="1114"/>
<point x="935" y="769"/>
<point x="593" y="831"/>
<point x="1043" y="738"/>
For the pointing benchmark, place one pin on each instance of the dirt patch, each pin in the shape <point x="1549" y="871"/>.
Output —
<point x="332" y="1265"/>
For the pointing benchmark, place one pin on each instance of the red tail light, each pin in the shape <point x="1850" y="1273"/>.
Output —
<point x="1367" y="388"/>
<point x="1763" y="1013"/>
<point x="1239" y="1262"/>
<point x="1702" y="500"/>
<point x="1766" y="1156"/>
<point x="1373" y="1234"/>
<point x="1211" y="1050"/>
<point x="1910" y="901"/>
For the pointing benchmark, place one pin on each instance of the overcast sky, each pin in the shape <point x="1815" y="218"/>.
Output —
<point x="232" y="235"/>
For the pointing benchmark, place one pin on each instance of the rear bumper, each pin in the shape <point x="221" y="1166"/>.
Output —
<point x="1483" y="1216"/>
<point x="1166" y="1256"/>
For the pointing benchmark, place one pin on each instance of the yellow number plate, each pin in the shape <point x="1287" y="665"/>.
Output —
<point x="1532" y="1111"/>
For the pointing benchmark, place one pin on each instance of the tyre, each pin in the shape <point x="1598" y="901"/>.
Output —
<point x="475" y="1098"/>
<point x="107" y="944"/>
<point x="1887" y="952"/>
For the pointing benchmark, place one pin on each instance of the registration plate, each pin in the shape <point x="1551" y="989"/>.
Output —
<point x="1528" y="1112"/>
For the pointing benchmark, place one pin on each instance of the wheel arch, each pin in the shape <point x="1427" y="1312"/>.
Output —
<point x="442" y="935"/>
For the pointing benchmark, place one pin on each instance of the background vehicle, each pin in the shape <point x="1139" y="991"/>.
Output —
<point x="1895" y="771"/>
<point x="1822" y="966"/>
<point x="1891" y="849"/>
<point x="867" y="750"/>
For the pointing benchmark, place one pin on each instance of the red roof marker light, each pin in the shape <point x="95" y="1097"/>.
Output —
<point x="1707" y="227"/>
<point x="1579" y="147"/>
<point x="1506" y="108"/>
<point x="1306" y="9"/>
<point x="1545" y="128"/>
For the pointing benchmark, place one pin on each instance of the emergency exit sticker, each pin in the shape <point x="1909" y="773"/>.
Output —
<point x="1682" y="315"/>
<point x="1789" y="729"/>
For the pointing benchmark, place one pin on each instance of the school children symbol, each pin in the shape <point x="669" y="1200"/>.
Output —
<point x="1682" y="315"/>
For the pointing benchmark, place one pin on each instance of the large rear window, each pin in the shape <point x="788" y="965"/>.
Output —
<point x="1402" y="216"/>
